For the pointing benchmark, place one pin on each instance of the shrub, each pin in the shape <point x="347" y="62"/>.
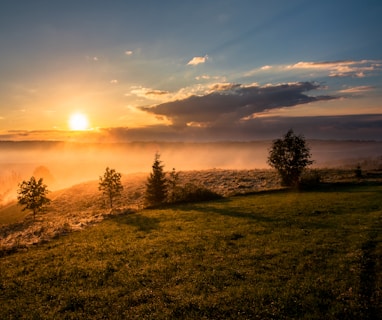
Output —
<point x="309" y="179"/>
<point x="193" y="193"/>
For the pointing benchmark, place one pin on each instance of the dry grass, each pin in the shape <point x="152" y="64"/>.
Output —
<point x="82" y="205"/>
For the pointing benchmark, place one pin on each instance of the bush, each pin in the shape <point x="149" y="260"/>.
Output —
<point x="309" y="179"/>
<point x="193" y="193"/>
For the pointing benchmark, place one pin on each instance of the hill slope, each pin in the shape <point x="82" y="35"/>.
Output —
<point x="272" y="255"/>
<point x="81" y="205"/>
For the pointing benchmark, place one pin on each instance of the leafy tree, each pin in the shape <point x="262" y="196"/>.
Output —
<point x="156" y="186"/>
<point x="33" y="195"/>
<point x="110" y="184"/>
<point x="289" y="156"/>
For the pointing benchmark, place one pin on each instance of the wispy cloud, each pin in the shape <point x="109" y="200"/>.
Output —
<point x="208" y="77"/>
<point x="358" y="89"/>
<point x="149" y="93"/>
<point x="128" y="52"/>
<point x="197" y="60"/>
<point x="252" y="72"/>
<point x="345" y="68"/>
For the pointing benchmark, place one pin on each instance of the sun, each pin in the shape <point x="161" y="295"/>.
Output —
<point x="78" y="122"/>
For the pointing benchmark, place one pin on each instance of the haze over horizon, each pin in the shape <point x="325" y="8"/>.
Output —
<point x="215" y="70"/>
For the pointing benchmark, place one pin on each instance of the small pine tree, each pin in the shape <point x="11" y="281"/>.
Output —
<point x="33" y="195"/>
<point x="156" y="186"/>
<point x="110" y="184"/>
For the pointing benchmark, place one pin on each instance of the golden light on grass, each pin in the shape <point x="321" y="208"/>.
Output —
<point x="78" y="122"/>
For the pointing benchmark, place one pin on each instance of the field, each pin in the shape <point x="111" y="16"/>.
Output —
<point x="274" y="254"/>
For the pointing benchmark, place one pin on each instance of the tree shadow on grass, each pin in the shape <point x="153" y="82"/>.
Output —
<point x="230" y="211"/>
<point x="141" y="222"/>
<point x="348" y="186"/>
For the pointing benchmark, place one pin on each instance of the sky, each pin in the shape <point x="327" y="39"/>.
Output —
<point x="200" y="70"/>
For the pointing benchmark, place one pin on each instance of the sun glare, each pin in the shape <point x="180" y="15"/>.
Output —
<point x="78" y="121"/>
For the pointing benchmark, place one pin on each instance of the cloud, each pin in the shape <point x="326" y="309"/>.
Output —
<point x="208" y="77"/>
<point x="156" y="92"/>
<point x="347" y="127"/>
<point x="229" y="103"/>
<point x="358" y="89"/>
<point x="149" y="93"/>
<point x="203" y="77"/>
<point x="114" y="81"/>
<point x="197" y="60"/>
<point x="223" y="86"/>
<point x="344" y="68"/>
<point x="128" y="52"/>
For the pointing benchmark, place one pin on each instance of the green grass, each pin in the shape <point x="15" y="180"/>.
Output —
<point x="275" y="255"/>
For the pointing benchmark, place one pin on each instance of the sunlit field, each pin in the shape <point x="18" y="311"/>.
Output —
<point x="269" y="255"/>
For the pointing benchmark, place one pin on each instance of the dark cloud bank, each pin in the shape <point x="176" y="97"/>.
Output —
<point x="234" y="112"/>
<point x="235" y="103"/>
<point x="350" y="127"/>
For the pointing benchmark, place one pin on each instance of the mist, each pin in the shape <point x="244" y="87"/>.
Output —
<point x="63" y="164"/>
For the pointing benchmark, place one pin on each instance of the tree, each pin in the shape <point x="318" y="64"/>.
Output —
<point x="289" y="156"/>
<point x="173" y="182"/>
<point x="110" y="184"/>
<point x="33" y="195"/>
<point x="156" y="186"/>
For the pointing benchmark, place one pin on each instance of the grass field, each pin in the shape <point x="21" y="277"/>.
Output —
<point x="269" y="255"/>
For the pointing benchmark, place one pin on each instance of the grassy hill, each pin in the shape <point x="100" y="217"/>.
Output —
<point x="269" y="255"/>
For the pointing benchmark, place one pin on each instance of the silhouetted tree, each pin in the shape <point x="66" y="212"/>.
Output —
<point x="32" y="195"/>
<point x="289" y="156"/>
<point x="173" y="182"/>
<point x="156" y="186"/>
<point x="110" y="184"/>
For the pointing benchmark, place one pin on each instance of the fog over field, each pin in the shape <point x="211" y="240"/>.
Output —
<point x="63" y="164"/>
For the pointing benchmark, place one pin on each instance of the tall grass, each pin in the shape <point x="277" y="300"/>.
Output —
<point x="272" y="255"/>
